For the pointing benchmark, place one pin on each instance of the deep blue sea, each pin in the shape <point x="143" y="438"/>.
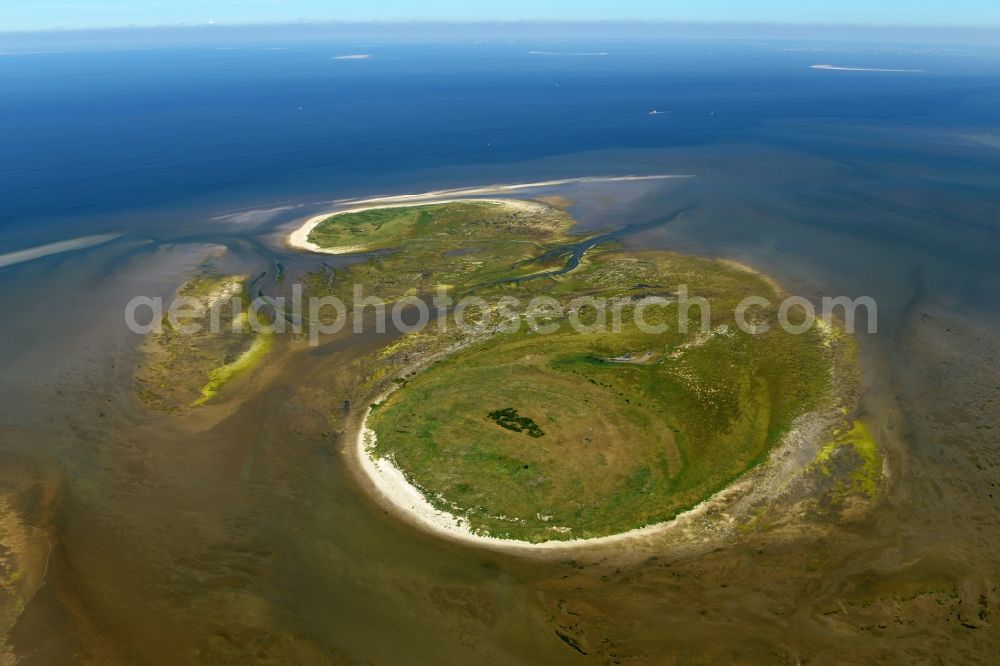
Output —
<point x="91" y="132"/>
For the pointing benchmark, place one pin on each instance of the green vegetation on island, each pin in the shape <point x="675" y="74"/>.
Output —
<point x="627" y="444"/>
<point x="594" y="427"/>
<point x="439" y="224"/>
<point x="461" y="245"/>
<point x="586" y="434"/>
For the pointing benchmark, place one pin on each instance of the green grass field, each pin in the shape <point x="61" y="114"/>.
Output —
<point x="459" y="245"/>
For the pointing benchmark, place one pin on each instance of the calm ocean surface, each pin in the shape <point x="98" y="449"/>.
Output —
<point x="99" y="132"/>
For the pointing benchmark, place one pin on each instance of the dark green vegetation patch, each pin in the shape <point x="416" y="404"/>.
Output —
<point x="509" y="418"/>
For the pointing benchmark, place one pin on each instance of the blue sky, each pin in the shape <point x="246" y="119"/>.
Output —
<point x="44" y="14"/>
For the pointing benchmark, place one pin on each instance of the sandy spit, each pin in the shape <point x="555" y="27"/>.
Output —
<point x="835" y="68"/>
<point x="507" y="188"/>
<point x="30" y="254"/>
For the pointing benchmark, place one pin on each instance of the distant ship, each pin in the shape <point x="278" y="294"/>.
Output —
<point x="654" y="112"/>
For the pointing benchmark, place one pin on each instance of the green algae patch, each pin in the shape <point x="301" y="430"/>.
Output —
<point x="182" y="368"/>
<point x="219" y="377"/>
<point x="866" y="472"/>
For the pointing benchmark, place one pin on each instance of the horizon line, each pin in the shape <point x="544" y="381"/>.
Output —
<point x="209" y="25"/>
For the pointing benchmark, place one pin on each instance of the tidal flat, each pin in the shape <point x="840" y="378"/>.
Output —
<point x="202" y="495"/>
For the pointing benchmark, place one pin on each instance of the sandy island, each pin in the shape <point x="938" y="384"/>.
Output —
<point x="299" y="238"/>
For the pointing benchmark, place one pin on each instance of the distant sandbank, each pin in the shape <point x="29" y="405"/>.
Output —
<point x="862" y="69"/>
<point x="502" y="188"/>
<point x="566" y="53"/>
<point x="40" y="251"/>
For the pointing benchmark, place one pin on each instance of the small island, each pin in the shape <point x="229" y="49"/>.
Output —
<point x="517" y="437"/>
